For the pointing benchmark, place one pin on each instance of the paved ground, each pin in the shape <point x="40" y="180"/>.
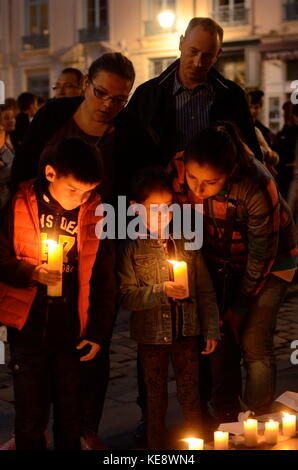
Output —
<point x="121" y="414"/>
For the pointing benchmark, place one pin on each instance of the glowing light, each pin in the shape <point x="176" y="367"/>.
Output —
<point x="166" y="19"/>
<point x="194" y="444"/>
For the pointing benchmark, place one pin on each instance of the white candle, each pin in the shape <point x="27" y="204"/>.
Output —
<point x="251" y="432"/>
<point x="289" y="425"/>
<point x="271" y="432"/>
<point x="180" y="274"/>
<point x="194" y="444"/>
<point x="221" y="440"/>
<point x="55" y="261"/>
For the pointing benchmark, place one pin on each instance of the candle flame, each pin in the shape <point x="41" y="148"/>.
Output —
<point x="192" y="442"/>
<point x="285" y="414"/>
<point x="174" y="263"/>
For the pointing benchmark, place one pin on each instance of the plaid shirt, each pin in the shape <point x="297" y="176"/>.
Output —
<point x="264" y="236"/>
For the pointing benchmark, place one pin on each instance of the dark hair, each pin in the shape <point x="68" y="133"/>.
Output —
<point x="25" y="100"/>
<point x="255" y="97"/>
<point x="113" y="62"/>
<point x="73" y="156"/>
<point x="208" y="24"/>
<point x="148" y="180"/>
<point x="78" y="74"/>
<point x="221" y="147"/>
<point x="6" y="107"/>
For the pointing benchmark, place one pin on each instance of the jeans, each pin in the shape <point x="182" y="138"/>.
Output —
<point x="257" y="345"/>
<point x="41" y="376"/>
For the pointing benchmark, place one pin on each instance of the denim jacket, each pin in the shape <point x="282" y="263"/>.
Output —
<point x="143" y="269"/>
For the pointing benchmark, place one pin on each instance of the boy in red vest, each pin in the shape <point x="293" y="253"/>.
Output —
<point x="49" y="336"/>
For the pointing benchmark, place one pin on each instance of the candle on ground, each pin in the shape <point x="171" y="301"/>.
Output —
<point x="289" y="425"/>
<point x="194" y="444"/>
<point x="180" y="274"/>
<point x="251" y="432"/>
<point x="55" y="261"/>
<point x="271" y="432"/>
<point x="221" y="440"/>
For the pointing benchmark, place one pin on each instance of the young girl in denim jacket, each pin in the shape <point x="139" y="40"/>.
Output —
<point x="164" y="323"/>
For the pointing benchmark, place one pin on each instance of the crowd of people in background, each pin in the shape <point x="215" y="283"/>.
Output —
<point x="189" y="135"/>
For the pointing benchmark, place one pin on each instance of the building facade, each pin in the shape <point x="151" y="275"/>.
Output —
<point x="38" y="38"/>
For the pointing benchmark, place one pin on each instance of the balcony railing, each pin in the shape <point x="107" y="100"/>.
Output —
<point x="290" y="11"/>
<point x="236" y="15"/>
<point x="36" y="41"/>
<point x="152" y="28"/>
<point x="94" y="33"/>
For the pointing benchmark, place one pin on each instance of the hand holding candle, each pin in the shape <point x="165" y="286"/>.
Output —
<point x="180" y="275"/>
<point x="51" y="273"/>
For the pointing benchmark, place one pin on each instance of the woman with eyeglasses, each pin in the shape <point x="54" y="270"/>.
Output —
<point x="98" y="117"/>
<point x="250" y="246"/>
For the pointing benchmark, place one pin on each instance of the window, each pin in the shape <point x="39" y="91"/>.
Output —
<point x="230" y="12"/>
<point x="96" y="21"/>
<point x="38" y="84"/>
<point x="36" y="26"/>
<point x="274" y="113"/>
<point x="232" y="66"/>
<point x="291" y="10"/>
<point x="292" y="70"/>
<point x="155" y="7"/>
<point x="157" y="66"/>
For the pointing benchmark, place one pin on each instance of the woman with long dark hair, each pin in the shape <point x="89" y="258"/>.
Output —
<point x="251" y="252"/>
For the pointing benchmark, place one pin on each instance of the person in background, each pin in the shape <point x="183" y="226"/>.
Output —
<point x="9" y="122"/>
<point x="40" y="102"/>
<point x="28" y="106"/>
<point x="255" y="106"/>
<point x="69" y="83"/>
<point x="164" y="328"/>
<point x="286" y="148"/>
<point x="12" y="104"/>
<point x="6" y="159"/>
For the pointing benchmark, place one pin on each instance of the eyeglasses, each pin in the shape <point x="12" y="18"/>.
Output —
<point x="102" y="95"/>
<point x="68" y="86"/>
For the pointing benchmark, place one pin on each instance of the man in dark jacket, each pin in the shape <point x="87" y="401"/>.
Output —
<point x="190" y="94"/>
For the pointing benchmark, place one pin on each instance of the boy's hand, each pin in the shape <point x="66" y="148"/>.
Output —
<point x="93" y="351"/>
<point x="175" y="290"/>
<point x="46" y="275"/>
<point x="210" y="346"/>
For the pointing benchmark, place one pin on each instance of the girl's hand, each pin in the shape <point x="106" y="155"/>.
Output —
<point x="46" y="275"/>
<point x="210" y="346"/>
<point x="174" y="290"/>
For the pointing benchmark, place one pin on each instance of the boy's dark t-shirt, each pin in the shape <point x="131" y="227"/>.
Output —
<point x="54" y="320"/>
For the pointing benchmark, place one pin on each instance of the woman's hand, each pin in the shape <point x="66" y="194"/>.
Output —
<point x="175" y="290"/>
<point x="210" y="346"/>
<point x="46" y="275"/>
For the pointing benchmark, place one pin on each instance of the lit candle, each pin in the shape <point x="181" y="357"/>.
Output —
<point x="251" y="432"/>
<point x="55" y="261"/>
<point x="271" y="432"/>
<point x="194" y="444"/>
<point x="289" y="425"/>
<point x="180" y="274"/>
<point x="221" y="440"/>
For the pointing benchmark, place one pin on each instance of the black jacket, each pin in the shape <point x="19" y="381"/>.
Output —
<point x="153" y="103"/>
<point x="133" y="149"/>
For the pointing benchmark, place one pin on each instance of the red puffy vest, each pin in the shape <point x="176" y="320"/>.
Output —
<point x="15" y="303"/>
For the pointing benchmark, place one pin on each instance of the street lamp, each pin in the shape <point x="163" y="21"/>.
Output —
<point x="166" y="18"/>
